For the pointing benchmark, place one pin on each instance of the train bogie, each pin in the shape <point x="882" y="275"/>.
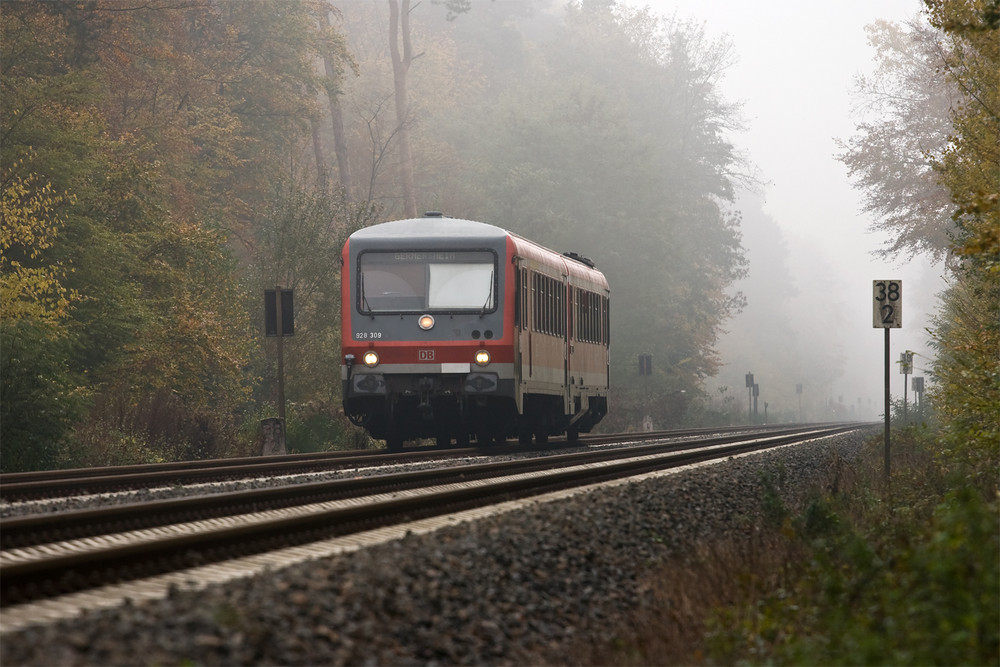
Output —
<point x="454" y="330"/>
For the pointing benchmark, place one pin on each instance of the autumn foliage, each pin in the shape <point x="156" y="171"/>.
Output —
<point x="165" y="161"/>
<point x="138" y="138"/>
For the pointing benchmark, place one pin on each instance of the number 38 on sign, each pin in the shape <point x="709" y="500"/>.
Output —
<point x="888" y="302"/>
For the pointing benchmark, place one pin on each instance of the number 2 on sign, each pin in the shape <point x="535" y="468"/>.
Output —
<point x="888" y="296"/>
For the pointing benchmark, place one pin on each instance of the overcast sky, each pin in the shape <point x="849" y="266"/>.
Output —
<point x="797" y="60"/>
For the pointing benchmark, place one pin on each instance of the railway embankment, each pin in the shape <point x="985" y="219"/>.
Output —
<point x="568" y="581"/>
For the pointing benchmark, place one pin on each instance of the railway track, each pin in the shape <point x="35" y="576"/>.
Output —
<point x="15" y="487"/>
<point x="59" y="554"/>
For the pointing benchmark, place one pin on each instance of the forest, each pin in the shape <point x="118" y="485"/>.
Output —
<point x="163" y="162"/>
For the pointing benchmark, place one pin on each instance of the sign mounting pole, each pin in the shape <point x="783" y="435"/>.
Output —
<point x="887" y="404"/>
<point x="887" y="298"/>
<point x="279" y="321"/>
<point x="281" y="354"/>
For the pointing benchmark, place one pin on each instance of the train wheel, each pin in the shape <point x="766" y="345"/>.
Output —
<point x="572" y="435"/>
<point x="541" y="437"/>
<point x="394" y="442"/>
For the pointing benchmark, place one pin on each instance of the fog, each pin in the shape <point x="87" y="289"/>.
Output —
<point x="261" y="139"/>
<point x="797" y="62"/>
<point x="808" y="318"/>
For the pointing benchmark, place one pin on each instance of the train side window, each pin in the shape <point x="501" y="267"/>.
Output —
<point x="543" y="304"/>
<point x="571" y="324"/>
<point x="536" y="302"/>
<point x="522" y="278"/>
<point x="553" y="306"/>
<point x="577" y="306"/>
<point x="548" y="303"/>
<point x="607" y="320"/>
<point x="517" y="297"/>
<point x="562" y="309"/>
<point x="527" y="298"/>
<point x="590" y="317"/>
<point x="592" y="314"/>
<point x="530" y="303"/>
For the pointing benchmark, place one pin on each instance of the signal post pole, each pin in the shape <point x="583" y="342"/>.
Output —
<point x="888" y="314"/>
<point x="888" y="404"/>
<point x="279" y="322"/>
<point x="905" y="367"/>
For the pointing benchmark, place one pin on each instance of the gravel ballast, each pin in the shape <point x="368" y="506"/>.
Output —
<point x="523" y="587"/>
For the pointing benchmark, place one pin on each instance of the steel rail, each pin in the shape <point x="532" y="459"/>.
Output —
<point x="80" y="481"/>
<point x="29" y="574"/>
<point x="28" y="530"/>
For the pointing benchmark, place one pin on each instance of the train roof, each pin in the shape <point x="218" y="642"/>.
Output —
<point x="432" y="228"/>
<point x="436" y="228"/>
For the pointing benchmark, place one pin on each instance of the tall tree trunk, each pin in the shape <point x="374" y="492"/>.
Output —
<point x="333" y="95"/>
<point x="321" y="170"/>
<point x="400" y="67"/>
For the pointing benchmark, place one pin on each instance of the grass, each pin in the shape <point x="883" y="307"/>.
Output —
<point x="865" y="571"/>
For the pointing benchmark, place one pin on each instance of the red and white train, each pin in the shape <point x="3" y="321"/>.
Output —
<point x="454" y="329"/>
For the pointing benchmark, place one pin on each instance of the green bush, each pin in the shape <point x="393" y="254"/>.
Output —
<point x="315" y="426"/>
<point x="906" y="578"/>
<point x="100" y="443"/>
<point x="39" y="397"/>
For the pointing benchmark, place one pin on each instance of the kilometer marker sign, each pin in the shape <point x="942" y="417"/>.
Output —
<point x="888" y="301"/>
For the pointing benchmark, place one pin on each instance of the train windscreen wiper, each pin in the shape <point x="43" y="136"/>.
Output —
<point x="365" y="306"/>
<point x="489" y="297"/>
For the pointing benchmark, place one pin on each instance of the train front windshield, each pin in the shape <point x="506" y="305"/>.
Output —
<point x="441" y="281"/>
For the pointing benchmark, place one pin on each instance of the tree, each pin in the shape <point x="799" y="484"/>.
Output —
<point x="941" y="134"/>
<point x="335" y="57"/>
<point x="399" y="29"/>
<point x="892" y="155"/>
<point x="48" y="133"/>
<point x="162" y="122"/>
<point x="967" y="332"/>
<point x="299" y="237"/>
<point x="970" y="165"/>
<point x="27" y="228"/>
<point x="610" y="141"/>
<point x="39" y="397"/>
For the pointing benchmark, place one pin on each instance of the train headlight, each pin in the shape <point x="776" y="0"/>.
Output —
<point x="426" y="322"/>
<point x="482" y="357"/>
<point x="370" y="358"/>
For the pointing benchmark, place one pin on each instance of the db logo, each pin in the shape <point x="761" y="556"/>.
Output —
<point x="425" y="355"/>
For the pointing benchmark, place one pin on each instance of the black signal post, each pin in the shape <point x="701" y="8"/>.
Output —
<point x="645" y="364"/>
<point x="905" y="368"/>
<point x="279" y="322"/>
